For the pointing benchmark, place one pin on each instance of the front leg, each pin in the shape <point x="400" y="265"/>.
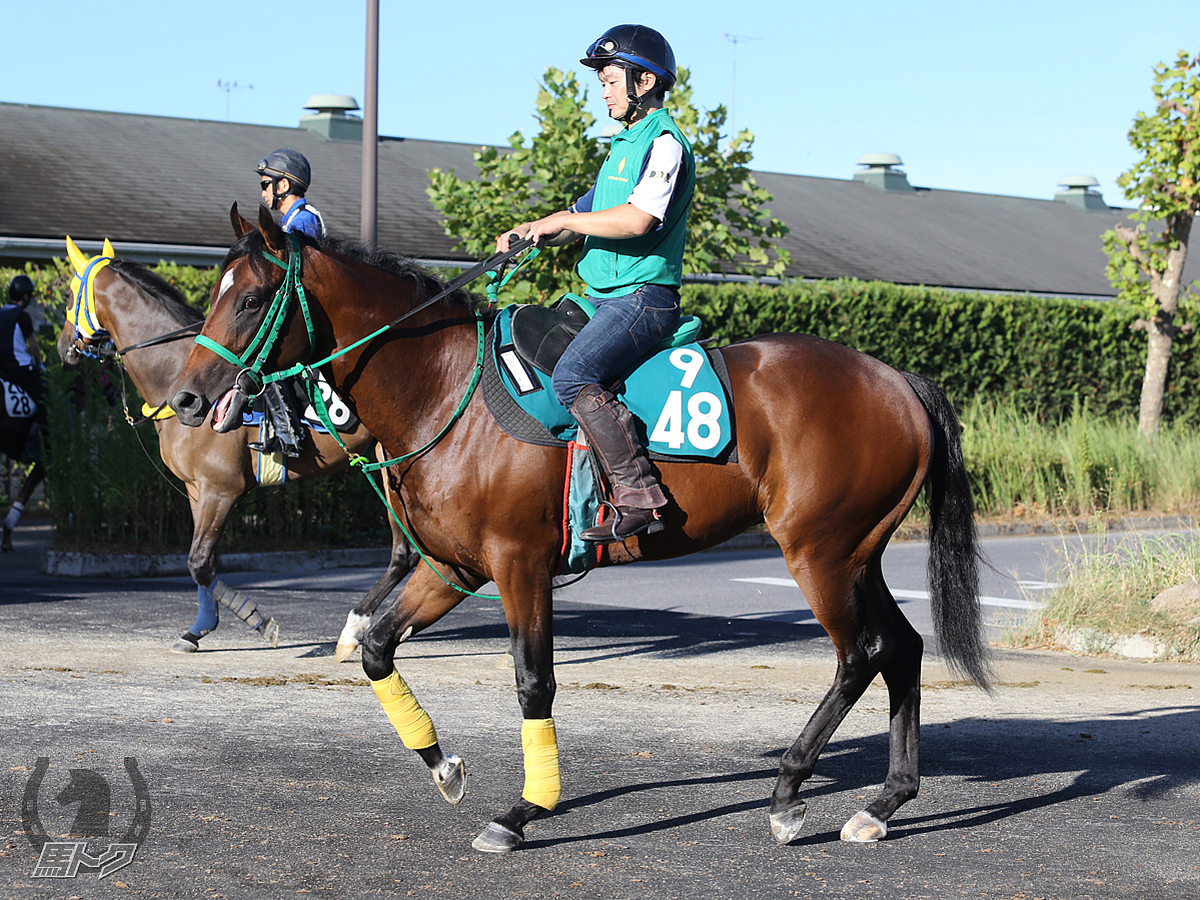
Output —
<point x="424" y="600"/>
<point x="527" y="595"/>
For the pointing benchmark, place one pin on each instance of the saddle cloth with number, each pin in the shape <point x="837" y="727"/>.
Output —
<point x="17" y="402"/>
<point x="679" y="396"/>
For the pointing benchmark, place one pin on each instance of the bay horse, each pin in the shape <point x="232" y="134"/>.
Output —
<point x="18" y="445"/>
<point x="134" y="305"/>
<point x="833" y="448"/>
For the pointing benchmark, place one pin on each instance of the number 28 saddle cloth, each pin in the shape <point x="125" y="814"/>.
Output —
<point x="679" y="395"/>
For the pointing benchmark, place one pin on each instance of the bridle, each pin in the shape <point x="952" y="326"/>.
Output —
<point x="252" y="359"/>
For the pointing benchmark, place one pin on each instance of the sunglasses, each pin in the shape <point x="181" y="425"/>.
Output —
<point x="263" y="185"/>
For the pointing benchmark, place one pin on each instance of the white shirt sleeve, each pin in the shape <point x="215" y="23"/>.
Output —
<point x="652" y="194"/>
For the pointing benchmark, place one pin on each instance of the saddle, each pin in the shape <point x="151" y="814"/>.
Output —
<point x="679" y="394"/>
<point x="541" y="334"/>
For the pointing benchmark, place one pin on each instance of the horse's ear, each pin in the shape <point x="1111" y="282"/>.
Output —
<point x="276" y="242"/>
<point x="78" y="260"/>
<point x="241" y="225"/>
<point x="108" y="250"/>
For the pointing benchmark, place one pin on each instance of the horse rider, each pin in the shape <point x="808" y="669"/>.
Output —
<point x="633" y="223"/>
<point x="284" y="176"/>
<point x="20" y="355"/>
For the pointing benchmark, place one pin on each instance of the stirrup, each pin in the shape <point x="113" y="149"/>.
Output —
<point x="627" y="522"/>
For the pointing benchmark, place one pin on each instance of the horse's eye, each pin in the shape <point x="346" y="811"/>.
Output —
<point x="252" y="301"/>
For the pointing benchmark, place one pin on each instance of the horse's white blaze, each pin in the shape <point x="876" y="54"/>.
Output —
<point x="226" y="284"/>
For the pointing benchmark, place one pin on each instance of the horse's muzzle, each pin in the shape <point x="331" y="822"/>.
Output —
<point x="190" y="407"/>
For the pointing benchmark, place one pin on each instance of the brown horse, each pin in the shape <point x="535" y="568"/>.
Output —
<point x="133" y="305"/>
<point x="833" y="448"/>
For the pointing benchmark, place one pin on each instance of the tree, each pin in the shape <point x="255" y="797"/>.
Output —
<point x="729" y="227"/>
<point x="1145" y="262"/>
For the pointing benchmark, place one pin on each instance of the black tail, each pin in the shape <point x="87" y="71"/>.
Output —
<point x="953" y="570"/>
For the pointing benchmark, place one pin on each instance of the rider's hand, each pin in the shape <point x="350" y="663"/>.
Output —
<point x="503" y="240"/>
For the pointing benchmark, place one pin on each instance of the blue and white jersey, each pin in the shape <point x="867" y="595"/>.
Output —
<point x="304" y="219"/>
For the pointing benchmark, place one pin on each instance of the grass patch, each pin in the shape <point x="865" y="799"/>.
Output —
<point x="1107" y="583"/>
<point x="1079" y="465"/>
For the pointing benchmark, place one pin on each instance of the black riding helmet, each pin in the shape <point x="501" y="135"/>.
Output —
<point x="286" y="164"/>
<point x="19" y="287"/>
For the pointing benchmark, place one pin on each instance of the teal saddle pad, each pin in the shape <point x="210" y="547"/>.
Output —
<point x="677" y="396"/>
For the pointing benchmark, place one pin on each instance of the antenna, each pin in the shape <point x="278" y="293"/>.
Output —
<point x="735" y="39"/>
<point x="228" y="87"/>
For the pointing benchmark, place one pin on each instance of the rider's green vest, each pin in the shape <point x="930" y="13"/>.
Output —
<point x="612" y="268"/>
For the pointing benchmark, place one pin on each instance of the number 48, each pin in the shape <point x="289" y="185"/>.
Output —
<point x="703" y="409"/>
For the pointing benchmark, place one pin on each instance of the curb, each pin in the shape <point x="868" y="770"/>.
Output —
<point x="73" y="564"/>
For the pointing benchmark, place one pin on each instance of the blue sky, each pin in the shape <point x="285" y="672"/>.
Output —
<point x="1002" y="98"/>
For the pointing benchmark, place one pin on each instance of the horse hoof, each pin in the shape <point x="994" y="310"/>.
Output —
<point x="185" y="643"/>
<point x="864" y="828"/>
<point x="343" y="651"/>
<point x="497" y="839"/>
<point x="270" y="632"/>
<point x="6" y="544"/>
<point x="787" y="825"/>
<point x="450" y="776"/>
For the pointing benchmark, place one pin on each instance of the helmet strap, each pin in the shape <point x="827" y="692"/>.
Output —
<point x="631" y="95"/>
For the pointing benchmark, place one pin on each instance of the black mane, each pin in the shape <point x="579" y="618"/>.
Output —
<point x="252" y="244"/>
<point x="158" y="288"/>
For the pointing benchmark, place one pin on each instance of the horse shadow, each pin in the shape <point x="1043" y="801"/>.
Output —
<point x="1140" y="757"/>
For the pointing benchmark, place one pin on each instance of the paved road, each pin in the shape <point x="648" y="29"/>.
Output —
<point x="271" y="772"/>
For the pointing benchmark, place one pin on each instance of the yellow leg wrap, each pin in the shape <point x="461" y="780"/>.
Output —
<point x="411" y="722"/>
<point x="543" y="780"/>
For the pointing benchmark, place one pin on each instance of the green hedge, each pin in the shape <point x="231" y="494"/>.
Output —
<point x="1045" y="355"/>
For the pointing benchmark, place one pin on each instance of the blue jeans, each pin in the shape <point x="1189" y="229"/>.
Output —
<point x="618" y="337"/>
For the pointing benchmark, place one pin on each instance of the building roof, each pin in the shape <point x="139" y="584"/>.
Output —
<point x="161" y="188"/>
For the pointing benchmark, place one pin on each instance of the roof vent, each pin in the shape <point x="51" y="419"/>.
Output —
<point x="1078" y="192"/>
<point x="880" y="174"/>
<point x="330" y="120"/>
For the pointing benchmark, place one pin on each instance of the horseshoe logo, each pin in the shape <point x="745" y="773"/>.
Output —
<point x="91" y="791"/>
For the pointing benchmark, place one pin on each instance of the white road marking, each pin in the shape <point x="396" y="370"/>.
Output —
<point x="906" y="595"/>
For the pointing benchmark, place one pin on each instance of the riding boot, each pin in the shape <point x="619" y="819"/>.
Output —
<point x="287" y="430"/>
<point x="636" y="493"/>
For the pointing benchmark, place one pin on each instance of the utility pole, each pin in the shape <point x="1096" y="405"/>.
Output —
<point x="369" y="204"/>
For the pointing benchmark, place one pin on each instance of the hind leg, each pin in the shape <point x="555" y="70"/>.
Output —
<point x="870" y="636"/>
